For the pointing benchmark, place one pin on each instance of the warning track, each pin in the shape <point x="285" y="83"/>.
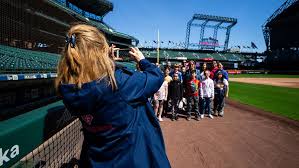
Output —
<point x="242" y="138"/>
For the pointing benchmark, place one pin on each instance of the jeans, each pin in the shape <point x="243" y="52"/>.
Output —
<point x="175" y="107"/>
<point x="219" y="103"/>
<point x="206" y="105"/>
<point x="189" y="105"/>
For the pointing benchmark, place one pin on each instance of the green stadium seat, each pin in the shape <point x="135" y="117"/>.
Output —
<point x="16" y="60"/>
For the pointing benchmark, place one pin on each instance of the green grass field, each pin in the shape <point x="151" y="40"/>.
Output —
<point x="279" y="100"/>
<point x="263" y="76"/>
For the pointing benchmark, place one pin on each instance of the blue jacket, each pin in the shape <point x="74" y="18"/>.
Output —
<point x="179" y="74"/>
<point x="120" y="128"/>
<point x="188" y="75"/>
<point x="224" y="73"/>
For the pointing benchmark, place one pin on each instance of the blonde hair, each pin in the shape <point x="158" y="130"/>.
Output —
<point x="88" y="60"/>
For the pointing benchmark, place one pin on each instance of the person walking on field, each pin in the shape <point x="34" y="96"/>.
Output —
<point x="175" y="95"/>
<point x="221" y="92"/>
<point x="119" y="125"/>
<point x="207" y="88"/>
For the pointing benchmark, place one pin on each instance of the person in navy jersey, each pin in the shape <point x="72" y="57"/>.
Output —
<point x="119" y="125"/>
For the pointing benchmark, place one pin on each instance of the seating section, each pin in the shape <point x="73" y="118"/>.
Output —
<point x="170" y="54"/>
<point x="16" y="60"/>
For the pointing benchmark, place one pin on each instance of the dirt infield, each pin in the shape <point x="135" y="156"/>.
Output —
<point x="285" y="82"/>
<point x="241" y="139"/>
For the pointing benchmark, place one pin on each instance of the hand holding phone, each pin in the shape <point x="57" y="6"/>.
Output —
<point x="136" y="54"/>
<point x="112" y="50"/>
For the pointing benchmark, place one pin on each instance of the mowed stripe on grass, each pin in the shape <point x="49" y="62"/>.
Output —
<point x="279" y="100"/>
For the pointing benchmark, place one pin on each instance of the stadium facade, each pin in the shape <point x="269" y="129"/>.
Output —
<point x="282" y="38"/>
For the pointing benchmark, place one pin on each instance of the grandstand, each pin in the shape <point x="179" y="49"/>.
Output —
<point x="201" y="56"/>
<point x="282" y="37"/>
<point x="194" y="55"/>
<point x="16" y="60"/>
<point x="28" y="46"/>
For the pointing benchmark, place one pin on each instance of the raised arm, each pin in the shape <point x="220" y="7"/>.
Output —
<point x="141" y="85"/>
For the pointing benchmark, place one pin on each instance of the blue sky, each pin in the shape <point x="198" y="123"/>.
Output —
<point x="142" y="19"/>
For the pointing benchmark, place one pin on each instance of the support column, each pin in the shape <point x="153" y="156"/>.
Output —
<point x="227" y="37"/>
<point x="188" y="34"/>
<point x="202" y="30"/>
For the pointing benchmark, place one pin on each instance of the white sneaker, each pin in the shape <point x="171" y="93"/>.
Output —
<point x="202" y="116"/>
<point x="210" y="115"/>
<point x="160" y="119"/>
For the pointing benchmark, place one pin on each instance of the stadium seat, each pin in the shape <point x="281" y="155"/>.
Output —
<point x="16" y="60"/>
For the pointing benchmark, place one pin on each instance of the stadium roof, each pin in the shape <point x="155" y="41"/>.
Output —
<point x="101" y="25"/>
<point x="281" y="29"/>
<point x="97" y="7"/>
<point x="286" y="9"/>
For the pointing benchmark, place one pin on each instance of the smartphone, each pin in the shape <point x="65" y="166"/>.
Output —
<point x="123" y="52"/>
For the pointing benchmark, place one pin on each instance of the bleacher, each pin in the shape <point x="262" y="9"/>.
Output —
<point x="16" y="60"/>
<point x="191" y="55"/>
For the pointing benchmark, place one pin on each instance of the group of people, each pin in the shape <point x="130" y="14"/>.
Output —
<point x="119" y="125"/>
<point x="198" y="89"/>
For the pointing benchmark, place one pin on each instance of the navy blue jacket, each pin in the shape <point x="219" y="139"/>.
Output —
<point x="120" y="128"/>
<point x="224" y="73"/>
<point x="179" y="74"/>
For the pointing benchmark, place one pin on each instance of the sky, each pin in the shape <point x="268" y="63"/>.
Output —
<point x="143" y="18"/>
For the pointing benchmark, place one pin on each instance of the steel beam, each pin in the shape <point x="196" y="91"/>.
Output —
<point x="208" y="26"/>
<point x="188" y="33"/>
<point x="206" y="19"/>
<point x="202" y="29"/>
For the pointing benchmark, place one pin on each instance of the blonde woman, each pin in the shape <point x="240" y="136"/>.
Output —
<point x="119" y="126"/>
